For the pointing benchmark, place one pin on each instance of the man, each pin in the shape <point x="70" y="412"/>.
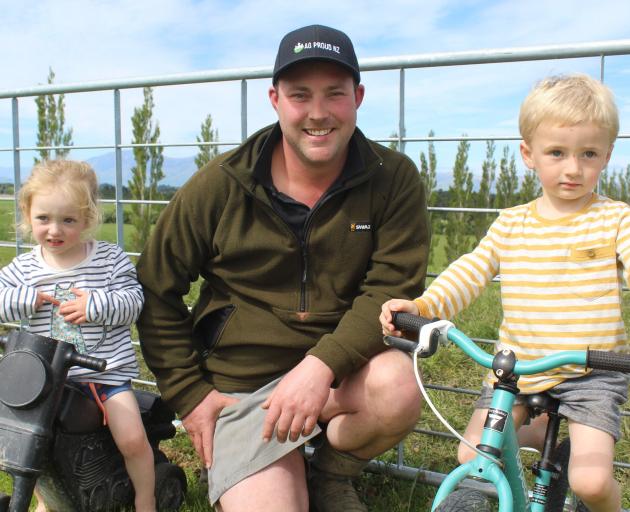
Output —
<point x="300" y="234"/>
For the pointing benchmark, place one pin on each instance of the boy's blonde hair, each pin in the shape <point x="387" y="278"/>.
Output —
<point x="568" y="100"/>
<point x="77" y="180"/>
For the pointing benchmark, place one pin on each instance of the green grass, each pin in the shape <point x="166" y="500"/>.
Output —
<point x="450" y="366"/>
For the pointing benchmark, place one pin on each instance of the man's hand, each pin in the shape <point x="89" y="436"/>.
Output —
<point x="200" y="423"/>
<point x="295" y="404"/>
<point x="75" y="311"/>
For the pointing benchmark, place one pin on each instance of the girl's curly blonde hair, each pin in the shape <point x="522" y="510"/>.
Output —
<point x="76" y="180"/>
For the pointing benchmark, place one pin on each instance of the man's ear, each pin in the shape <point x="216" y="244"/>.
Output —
<point x="526" y="155"/>
<point x="273" y="97"/>
<point x="359" y="94"/>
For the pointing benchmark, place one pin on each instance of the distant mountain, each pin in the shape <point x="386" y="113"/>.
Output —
<point x="176" y="170"/>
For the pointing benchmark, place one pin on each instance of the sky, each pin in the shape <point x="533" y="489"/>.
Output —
<point x="90" y="40"/>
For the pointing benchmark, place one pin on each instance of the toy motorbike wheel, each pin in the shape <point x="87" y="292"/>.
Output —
<point x="170" y="486"/>
<point x="4" y="502"/>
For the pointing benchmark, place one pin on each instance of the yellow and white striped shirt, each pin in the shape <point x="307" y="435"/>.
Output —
<point x="560" y="283"/>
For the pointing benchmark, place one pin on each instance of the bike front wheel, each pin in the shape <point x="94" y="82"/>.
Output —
<point x="465" y="500"/>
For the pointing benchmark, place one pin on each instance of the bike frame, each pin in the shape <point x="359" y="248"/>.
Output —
<point x="504" y="471"/>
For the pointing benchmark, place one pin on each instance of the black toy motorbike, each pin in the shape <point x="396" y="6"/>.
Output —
<point x="52" y="435"/>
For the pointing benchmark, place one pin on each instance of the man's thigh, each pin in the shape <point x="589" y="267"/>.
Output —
<point x="280" y="486"/>
<point x="239" y="450"/>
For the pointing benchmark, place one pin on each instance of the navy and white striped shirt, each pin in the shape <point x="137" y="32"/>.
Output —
<point x="114" y="304"/>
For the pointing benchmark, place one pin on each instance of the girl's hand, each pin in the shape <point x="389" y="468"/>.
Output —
<point x="395" y="305"/>
<point x="75" y="311"/>
<point x="44" y="297"/>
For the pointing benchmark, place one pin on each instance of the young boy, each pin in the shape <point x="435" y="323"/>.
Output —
<point x="560" y="259"/>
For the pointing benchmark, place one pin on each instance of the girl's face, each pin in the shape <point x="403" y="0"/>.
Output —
<point x="57" y="225"/>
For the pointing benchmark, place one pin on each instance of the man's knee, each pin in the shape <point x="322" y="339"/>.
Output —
<point x="393" y="385"/>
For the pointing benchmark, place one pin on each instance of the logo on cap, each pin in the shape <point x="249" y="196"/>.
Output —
<point x="298" y="48"/>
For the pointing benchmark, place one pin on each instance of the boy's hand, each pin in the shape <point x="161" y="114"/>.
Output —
<point x="395" y="305"/>
<point x="75" y="311"/>
<point x="44" y="297"/>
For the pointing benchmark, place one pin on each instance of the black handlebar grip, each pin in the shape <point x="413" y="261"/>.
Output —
<point x="3" y="341"/>
<point x="611" y="361"/>
<point x="89" y="362"/>
<point x="409" y="322"/>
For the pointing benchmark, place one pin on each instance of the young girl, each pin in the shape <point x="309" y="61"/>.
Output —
<point x="76" y="289"/>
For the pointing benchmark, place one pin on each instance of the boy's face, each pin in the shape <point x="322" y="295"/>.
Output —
<point x="568" y="161"/>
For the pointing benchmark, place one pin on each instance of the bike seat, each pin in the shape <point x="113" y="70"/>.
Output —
<point x="541" y="402"/>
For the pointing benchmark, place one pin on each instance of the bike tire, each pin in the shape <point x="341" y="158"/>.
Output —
<point x="559" y="489"/>
<point x="465" y="500"/>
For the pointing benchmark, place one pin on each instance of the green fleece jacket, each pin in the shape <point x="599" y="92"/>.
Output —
<point x="268" y="299"/>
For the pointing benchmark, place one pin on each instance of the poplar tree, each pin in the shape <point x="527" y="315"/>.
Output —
<point x="147" y="172"/>
<point x="457" y="232"/>
<point x="428" y="174"/>
<point x="428" y="171"/>
<point x="51" y="120"/>
<point x="507" y="182"/>
<point x="530" y="187"/>
<point x="208" y="134"/>
<point x="482" y="221"/>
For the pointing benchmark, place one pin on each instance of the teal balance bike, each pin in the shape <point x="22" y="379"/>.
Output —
<point x="498" y="458"/>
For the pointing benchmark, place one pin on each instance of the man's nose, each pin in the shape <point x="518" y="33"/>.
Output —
<point x="318" y="110"/>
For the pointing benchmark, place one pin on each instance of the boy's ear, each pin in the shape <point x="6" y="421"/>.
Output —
<point x="526" y="155"/>
<point x="610" y="150"/>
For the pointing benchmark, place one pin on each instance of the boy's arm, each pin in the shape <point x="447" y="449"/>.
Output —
<point x="623" y="244"/>
<point x="462" y="281"/>
<point x="121" y="302"/>
<point x="17" y="300"/>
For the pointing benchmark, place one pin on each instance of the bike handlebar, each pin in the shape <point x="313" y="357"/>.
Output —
<point x="89" y="362"/>
<point x="602" y="360"/>
<point x="597" y="359"/>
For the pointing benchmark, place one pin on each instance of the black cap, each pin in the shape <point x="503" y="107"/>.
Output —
<point x="316" y="42"/>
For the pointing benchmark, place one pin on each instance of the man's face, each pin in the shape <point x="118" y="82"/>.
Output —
<point x="317" y="106"/>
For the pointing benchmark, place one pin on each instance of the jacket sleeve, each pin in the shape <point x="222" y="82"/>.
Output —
<point x="623" y="243"/>
<point x="17" y="300"/>
<point x="397" y="268"/>
<point x="170" y="262"/>
<point x="462" y="281"/>
<point x="121" y="303"/>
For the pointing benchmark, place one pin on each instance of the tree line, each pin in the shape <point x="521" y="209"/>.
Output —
<point x="499" y="185"/>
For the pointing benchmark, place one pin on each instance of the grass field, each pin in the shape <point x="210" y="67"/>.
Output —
<point x="382" y="492"/>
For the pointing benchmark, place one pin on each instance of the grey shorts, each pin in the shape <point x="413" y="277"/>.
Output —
<point x="239" y="450"/>
<point x="592" y="400"/>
